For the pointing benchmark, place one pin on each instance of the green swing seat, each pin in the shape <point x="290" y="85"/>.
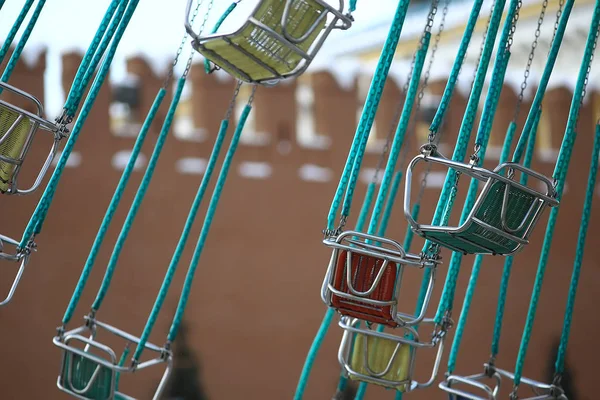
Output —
<point x="278" y="41"/>
<point x="503" y="216"/>
<point x="17" y="131"/>
<point x="86" y="378"/>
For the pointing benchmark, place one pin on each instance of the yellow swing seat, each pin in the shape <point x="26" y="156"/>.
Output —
<point x="278" y="41"/>
<point x="17" y="131"/>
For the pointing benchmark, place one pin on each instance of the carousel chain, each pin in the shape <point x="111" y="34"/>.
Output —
<point x="530" y="58"/>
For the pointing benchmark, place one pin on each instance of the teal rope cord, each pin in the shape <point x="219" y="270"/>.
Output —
<point x="462" y="320"/>
<point x="507" y="269"/>
<point x="1" y="3"/>
<point x="12" y="63"/>
<point x="560" y="174"/>
<point x="112" y="208"/>
<point x="97" y="58"/>
<point x="312" y="353"/>
<point x="389" y="206"/>
<point x="326" y="323"/>
<point x="35" y="223"/>
<point x="139" y="196"/>
<point x="469" y="116"/>
<point x="78" y="82"/>
<point x="14" y="29"/>
<point x="456" y="67"/>
<point x="483" y="134"/>
<point x="543" y="84"/>
<point x="583" y="228"/>
<point x="232" y="7"/>
<point x="212" y="162"/>
<point x="121" y="363"/>
<point x="352" y="5"/>
<point x="210" y="213"/>
<point x="400" y="134"/>
<point x="347" y="182"/>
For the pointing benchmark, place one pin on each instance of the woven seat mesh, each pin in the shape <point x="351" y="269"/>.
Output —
<point x="13" y="146"/>
<point x="83" y="370"/>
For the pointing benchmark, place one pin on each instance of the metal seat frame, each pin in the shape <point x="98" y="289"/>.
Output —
<point x="21" y="257"/>
<point x="350" y="327"/>
<point x="37" y="122"/>
<point x="339" y="21"/>
<point x="86" y="335"/>
<point x="543" y="200"/>
<point x="542" y="391"/>
<point x="390" y="251"/>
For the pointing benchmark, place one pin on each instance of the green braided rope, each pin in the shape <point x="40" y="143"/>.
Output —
<point x="139" y="197"/>
<point x="400" y="134"/>
<point x="12" y="62"/>
<point x="543" y="84"/>
<point x="112" y="208"/>
<point x="222" y="19"/>
<point x="14" y="29"/>
<point x="35" y="223"/>
<point x="456" y="67"/>
<point x="583" y="228"/>
<point x="560" y="174"/>
<point x="212" y="162"/>
<point x="507" y="269"/>
<point x="483" y="135"/>
<point x="468" y="121"/>
<point x="210" y="213"/>
<point x="354" y="160"/>
<point x="78" y="82"/>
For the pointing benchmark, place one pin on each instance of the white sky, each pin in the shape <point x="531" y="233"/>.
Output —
<point x="155" y="31"/>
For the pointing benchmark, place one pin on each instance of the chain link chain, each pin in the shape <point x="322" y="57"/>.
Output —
<point x="530" y="58"/>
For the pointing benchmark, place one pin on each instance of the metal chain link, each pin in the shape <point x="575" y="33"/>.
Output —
<point x="587" y="75"/>
<point x="530" y="58"/>
<point x="236" y="92"/>
<point x="561" y="5"/>
<point x="513" y="26"/>
<point x="398" y="112"/>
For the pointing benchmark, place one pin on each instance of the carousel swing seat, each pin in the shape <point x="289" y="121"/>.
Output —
<point x="18" y="128"/>
<point x="364" y="277"/>
<point x="278" y="41"/>
<point x="91" y="370"/>
<point x="487" y="385"/>
<point x="382" y="358"/>
<point x="502" y="218"/>
<point x="18" y="256"/>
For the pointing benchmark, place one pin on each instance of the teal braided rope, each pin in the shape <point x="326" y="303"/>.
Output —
<point x="483" y="135"/>
<point x="469" y="116"/>
<point x="543" y="84"/>
<point x="12" y="63"/>
<point x="326" y="323"/>
<point x="78" y="82"/>
<point x="462" y="320"/>
<point x="222" y="19"/>
<point x="389" y="206"/>
<point x="312" y="354"/>
<point x="97" y="58"/>
<point x="560" y="174"/>
<point x="351" y="169"/>
<point x="36" y="221"/>
<point x="121" y="363"/>
<point x="139" y="196"/>
<point x="112" y="207"/>
<point x="2" y="3"/>
<point x="210" y="213"/>
<point x="456" y="67"/>
<point x="508" y="263"/>
<point x="400" y="134"/>
<point x="212" y="162"/>
<point x="583" y="228"/>
<point x="14" y="29"/>
<point x="510" y="132"/>
<point x="353" y="5"/>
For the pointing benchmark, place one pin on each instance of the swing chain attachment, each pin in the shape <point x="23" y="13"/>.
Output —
<point x="430" y="17"/>
<point x="236" y="92"/>
<point x="513" y="26"/>
<point x="531" y="56"/>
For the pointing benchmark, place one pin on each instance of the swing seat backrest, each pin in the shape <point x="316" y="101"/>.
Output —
<point x="83" y="373"/>
<point x="17" y="131"/>
<point x="478" y="386"/>
<point x="501" y="219"/>
<point x="278" y="41"/>
<point x="387" y="361"/>
<point x="370" y="278"/>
